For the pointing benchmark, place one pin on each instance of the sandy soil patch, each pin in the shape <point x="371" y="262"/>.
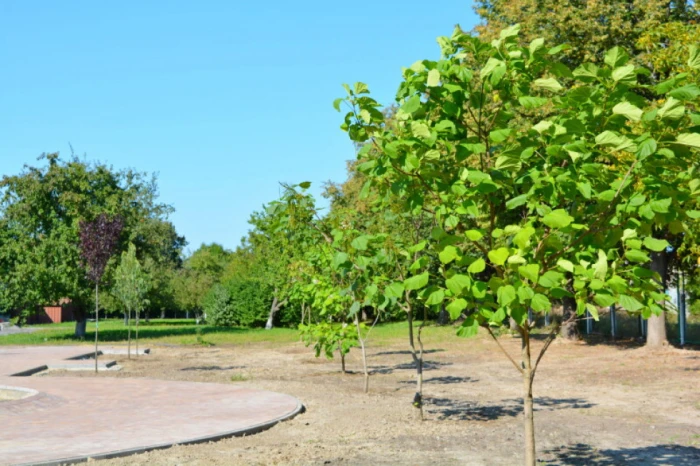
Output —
<point x="595" y="405"/>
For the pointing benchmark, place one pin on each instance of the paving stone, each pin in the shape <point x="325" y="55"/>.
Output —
<point x="73" y="418"/>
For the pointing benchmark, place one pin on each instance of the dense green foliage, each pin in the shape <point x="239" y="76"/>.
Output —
<point x="40" y="213"/>
<point x="238" y="302"/>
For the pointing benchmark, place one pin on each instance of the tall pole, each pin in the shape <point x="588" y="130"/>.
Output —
<point x="97" y="321"/>
<point x="681" y="308"/>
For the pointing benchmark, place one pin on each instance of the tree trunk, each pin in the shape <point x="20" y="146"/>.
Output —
<point x="528" y="414"/>
<point x="656" y="325"/>
<point x="271" y="317"/>
<point x="137" y="331"/>
<point x="276" y="305"/>
<point x="364" y="352"/>
<point x="126" y="318"/>
<point x="569" y="329"/>
<point x="97" y="320"/>
<point x="128" y="322"/>
<point x="80" y="328"/>
<point x="342" y="356"/>
<point x="162" y="313"/>
<point x="417" y="359"/>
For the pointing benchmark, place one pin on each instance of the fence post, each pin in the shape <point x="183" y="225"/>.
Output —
<point x="589" y="323"/>
<point x="613" y="322"/>
<point x="642" y="327"/>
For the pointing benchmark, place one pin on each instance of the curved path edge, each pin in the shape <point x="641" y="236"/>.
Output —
<point x="250" y="430"/>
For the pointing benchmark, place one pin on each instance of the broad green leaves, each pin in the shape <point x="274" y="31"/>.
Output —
<point x="549" y="84"/>
<point x="458" y="283"/>
<point x="616" y="56"/>
<point x="626" y="109"/>
<point x="694" y="57"/>
<point x="477" y="266"/>
<point x="417" y="282"/>
<point x="433" y="78"/>
<point x="559" y="218"/>
<point x="499" y="256"/>
<point x="689" y="139"/>
<point x="537" y="180"/>
<point x="656" y="245"/>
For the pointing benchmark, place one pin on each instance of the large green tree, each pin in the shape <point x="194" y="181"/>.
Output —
<point x="588" y="27"/>
<point x="545" y="182"/>
<point x="40" y="212"/>
<point x="654" y="32"/>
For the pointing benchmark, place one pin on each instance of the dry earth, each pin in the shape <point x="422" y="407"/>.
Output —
<point x="597" y="405"/>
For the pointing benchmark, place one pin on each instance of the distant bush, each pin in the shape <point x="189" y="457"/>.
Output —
<point x="217" y="306"/>
<point x="243" y="303"/>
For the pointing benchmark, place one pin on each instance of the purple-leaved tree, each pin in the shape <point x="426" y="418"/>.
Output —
<point x="98" y="242"/>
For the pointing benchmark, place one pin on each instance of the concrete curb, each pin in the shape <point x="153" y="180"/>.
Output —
<point x="250" y="430"/>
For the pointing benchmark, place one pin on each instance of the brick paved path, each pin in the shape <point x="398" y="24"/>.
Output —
<point x="74" y="418"/>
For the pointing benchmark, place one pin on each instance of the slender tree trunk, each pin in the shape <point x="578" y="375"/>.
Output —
<point x="137" y="331"/>
<point x="273" y="309"/>
<point x="417" y="359"/>
<point x="126" y="318"/>
<point x="128" y="322"/>
<point x="528" y="414"/>
<point x="97" y="320"/>
<point x="656" y="325"/>
<point x="342" y="356"/>
<point x="364" y="352"/>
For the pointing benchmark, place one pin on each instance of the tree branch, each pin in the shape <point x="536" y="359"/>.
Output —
<point x="550" y="338"/>
<point x="520" y="369"/>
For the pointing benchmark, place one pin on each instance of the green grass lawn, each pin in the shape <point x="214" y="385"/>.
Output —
<point x="163" y="331"/>
<point x="183" y="332"/>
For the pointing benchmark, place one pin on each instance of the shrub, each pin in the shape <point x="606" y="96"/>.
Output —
<point x="243" y="303"/>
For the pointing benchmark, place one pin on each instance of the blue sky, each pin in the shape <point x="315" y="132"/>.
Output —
<point x="223" y="99"/>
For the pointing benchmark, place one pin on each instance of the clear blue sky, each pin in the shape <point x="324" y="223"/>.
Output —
<point x="223" y="99"/>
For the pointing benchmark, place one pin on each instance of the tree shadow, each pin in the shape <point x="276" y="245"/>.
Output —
<point x="582" y="454"/>
<point x="445" y="380"/>
<point x="390" y="353"/>
<point x="460" y="410"/>
<point x="211" y="368"/>
<point x="427" y="366"/>
<point x="110" y="335"/>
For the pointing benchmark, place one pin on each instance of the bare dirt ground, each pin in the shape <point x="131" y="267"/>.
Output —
<point x="597" y="405"/>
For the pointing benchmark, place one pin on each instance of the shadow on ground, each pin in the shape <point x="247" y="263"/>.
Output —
<point x="445" y="380"/>
<point x="211" y="368"/>
<point x="427" y="366"/>
<point x="390" y="353"/>
<point x="459" y="410"/>
<point x="582" y="454"/>
<point x="145" y="332"/>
